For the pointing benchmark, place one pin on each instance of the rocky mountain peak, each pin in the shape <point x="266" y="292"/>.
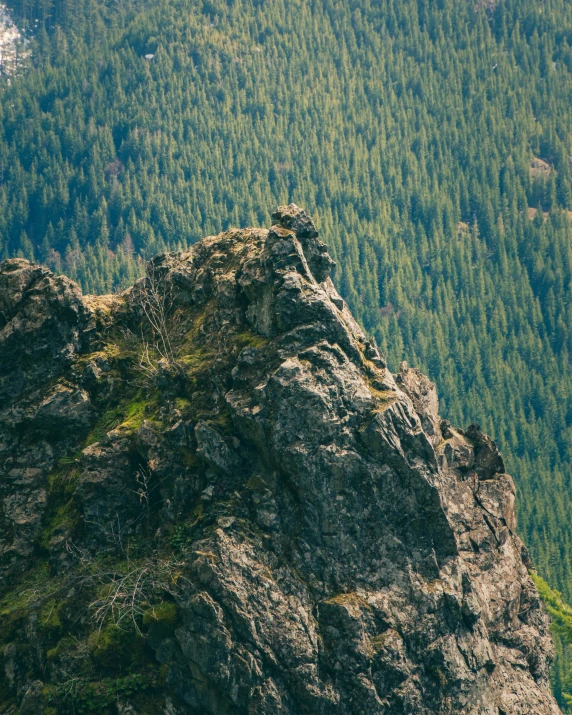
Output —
<point x="216" y="498"/>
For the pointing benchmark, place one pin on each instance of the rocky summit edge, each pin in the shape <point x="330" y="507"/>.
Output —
<point x="216" y="498"/>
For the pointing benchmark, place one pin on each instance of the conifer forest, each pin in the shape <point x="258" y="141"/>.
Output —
<point x="431" y="141"/>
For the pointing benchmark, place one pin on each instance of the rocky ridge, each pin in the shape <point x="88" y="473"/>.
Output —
<point x="216" y="498"/>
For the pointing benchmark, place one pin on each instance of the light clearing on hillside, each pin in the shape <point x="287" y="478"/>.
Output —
<point x="13" y="46"/>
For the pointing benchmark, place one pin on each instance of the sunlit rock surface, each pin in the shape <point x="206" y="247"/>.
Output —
<point x="315" y="537"/>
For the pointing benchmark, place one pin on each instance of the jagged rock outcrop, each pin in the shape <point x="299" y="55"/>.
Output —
<point x="219" y="462"/>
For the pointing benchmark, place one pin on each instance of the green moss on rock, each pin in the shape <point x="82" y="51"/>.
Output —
<point x="164" y="613"/>
<point x="115" y="648"/>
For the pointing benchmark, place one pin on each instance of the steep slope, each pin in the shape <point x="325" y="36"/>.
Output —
<point x="240" y="509"/>
<point x="408" y="127"/>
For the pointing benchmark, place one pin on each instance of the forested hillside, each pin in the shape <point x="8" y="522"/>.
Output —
<point x="431" y="142"/>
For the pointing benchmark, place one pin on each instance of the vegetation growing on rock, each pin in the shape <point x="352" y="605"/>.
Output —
<point x="431" y="141"/>
<point x="266" y="521"/>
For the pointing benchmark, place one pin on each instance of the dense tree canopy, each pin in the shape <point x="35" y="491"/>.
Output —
<point x="431" y="141"/>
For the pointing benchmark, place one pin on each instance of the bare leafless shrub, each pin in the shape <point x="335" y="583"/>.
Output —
<point x="127" y="587"/>
<point x="126" y="590"/>
<point x="157" y="304"/>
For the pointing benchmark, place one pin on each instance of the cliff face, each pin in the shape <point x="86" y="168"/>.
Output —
<point x="217" y="499"/>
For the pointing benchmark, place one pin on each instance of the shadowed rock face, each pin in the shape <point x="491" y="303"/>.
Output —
<point x="339" y="547"/>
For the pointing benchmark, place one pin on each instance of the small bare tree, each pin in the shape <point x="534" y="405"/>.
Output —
<point x="126" y="590"/>
<point x="157" y="305"/>
<point x="126" y="595"/>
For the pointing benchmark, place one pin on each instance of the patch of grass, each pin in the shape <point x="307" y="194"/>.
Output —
<point x="49" y="618"/>
<point x="62" y="481"/>
<point x="378" y="642"/>
<point x="128" y="414"/>
<point x="190" y="328"/>
<point x="58" y="517"/>
<point x="196" y="361"/>
<point x="69" y="459"/>
<point x="181" y="537"/>
<point x="349" y="599"/>
<point x="383" y="398"/>
<point x="222" y="420"/>
<point x="61" y="511"/>
<point x="164" y="613"/>
<point x="85" y="696"/>
<point x="182" y="404"/>
<point x="26" y="593"/>
<point x="134" y="414"/>
<point x="110" y="419"/>
<point x="248" y="338"/>
<point x="191" y="352"/>
<point x="64" y="645"/>
<point x="112" y="351"/>
<point x="116" y="649"/>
